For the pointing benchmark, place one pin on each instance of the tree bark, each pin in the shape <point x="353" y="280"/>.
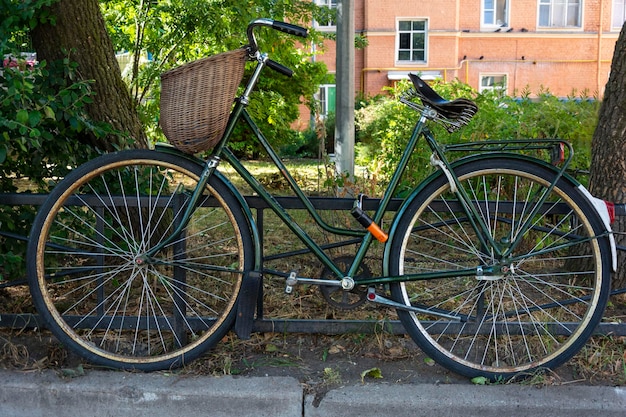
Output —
<point x="80" y="28"/>
<point x="607" y="179"/>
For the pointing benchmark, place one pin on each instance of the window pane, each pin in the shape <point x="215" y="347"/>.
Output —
<point x="418" y="41"/>
<point x="544" y="15"/>
<point x="405" y="41"/>
<point x="501" y="13"/>
<point x="618" y="13"/>
<point x="558" y="13"/>
<point x="404" y="25"/>
<point x="419" y="25"/>
<point x="419" y="56"/>
<point x="330" y="102"/>
<point x="404" y="56"/>
<point x="489" y="17"/>
<point x="573" y="12"/>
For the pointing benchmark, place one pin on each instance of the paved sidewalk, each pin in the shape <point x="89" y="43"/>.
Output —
<point x="97" y="393"/>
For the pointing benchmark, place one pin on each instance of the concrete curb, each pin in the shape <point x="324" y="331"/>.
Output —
<point x="469" y="400"/>
<point x="146" y="395"/>
<point x="38" y="394"/>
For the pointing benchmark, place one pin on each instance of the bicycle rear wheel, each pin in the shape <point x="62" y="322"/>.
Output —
<point x="541" y="302"/>
<point x="96" y="292"/>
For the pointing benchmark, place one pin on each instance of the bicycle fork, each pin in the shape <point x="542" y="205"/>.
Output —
<point x="208" y="170"/>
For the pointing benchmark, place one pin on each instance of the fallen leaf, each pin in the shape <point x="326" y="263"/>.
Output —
<point x="336" y="349"/>
<point x="479" y="380"/>
<point x="371" y="373"/>
<point x="396" y="352"/>
<point x="73" y="372"/>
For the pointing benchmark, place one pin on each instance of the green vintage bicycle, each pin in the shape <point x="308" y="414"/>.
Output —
<point x="497" y="264"/>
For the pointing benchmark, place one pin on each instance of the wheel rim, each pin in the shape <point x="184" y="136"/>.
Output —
<point x="505" y="331"/>
<point x="126" y="311"/>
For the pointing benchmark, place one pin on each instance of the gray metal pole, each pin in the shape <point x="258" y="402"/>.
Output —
<point x="344" y="127"/>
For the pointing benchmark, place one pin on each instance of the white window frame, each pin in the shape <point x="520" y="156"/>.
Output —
<point x="618" y="14"/>
<point x="494" y="6"/>
<point x="322" y="98"/>
<point x="412" y="31"/>
<point x="552" y="7"/>
<point x="496" y="86"/>
<point x="330" y="4"/>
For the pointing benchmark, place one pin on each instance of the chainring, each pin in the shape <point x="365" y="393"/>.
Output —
<point x="338" y="298"/>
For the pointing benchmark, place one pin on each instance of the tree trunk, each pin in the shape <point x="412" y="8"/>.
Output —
<point x="607" y="178"/>
<point x="80" y="29"/>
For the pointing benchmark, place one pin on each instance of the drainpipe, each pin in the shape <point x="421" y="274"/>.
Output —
<point x="599" y="66"/>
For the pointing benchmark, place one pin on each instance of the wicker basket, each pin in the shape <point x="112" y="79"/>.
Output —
<point x="196" y="100"/>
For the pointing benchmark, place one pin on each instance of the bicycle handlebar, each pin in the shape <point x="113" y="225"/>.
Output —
<point x="277" y="25"/>
<point x="279" y="68"/>
<point x="294" y="30"/>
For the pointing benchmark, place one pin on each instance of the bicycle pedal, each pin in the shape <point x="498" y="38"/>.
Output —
<point x="292" y="280"/>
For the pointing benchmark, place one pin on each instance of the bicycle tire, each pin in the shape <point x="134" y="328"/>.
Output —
<point x="99" y="297"/>
<point x="544" y="300"/>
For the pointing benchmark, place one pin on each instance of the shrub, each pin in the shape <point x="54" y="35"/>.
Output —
<point x="385" y="125"/>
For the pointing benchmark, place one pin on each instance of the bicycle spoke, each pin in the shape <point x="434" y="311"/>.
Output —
<point x="538" y="303"/>
<point x="109" y="302"/>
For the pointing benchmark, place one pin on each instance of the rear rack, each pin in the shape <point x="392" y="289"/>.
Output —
<point x="559" y="152"/>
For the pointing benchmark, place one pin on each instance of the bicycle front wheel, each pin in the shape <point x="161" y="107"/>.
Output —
<point x="546" y="277"/>
<point x="99" y="293"/>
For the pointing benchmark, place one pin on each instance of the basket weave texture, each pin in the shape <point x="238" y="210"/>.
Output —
<point x="196" y="100"/>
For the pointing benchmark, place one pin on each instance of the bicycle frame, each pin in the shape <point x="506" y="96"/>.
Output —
<point x="222" y="152"/>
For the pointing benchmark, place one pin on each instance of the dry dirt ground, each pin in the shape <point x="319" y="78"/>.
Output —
<point x="322" y="362"/>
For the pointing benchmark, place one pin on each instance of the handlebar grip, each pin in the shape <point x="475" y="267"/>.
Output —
<point x="290" y="29"/>
<point x="279" y="67"/>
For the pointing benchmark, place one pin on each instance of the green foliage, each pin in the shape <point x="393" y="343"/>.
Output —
<point x="180" y="31"/>
<point x="42" y="122"/>
<point x="384" y="125"/>
<point x="302" y="145"/>
<point x="17" y="16"/>
<point x="573" y="119"/>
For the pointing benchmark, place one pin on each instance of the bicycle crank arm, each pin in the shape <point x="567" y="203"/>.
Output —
<point x="378" y="299"/>
<point x="346" y="283"/>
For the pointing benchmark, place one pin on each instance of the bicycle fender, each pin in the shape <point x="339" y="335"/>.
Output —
<point x="599" y="205"/>
<point x="603" y="212"/>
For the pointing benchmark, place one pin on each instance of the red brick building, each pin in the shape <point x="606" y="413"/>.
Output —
<point x="563" y="45"/>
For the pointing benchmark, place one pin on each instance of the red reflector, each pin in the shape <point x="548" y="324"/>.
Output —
<point x="611" y="209"/>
